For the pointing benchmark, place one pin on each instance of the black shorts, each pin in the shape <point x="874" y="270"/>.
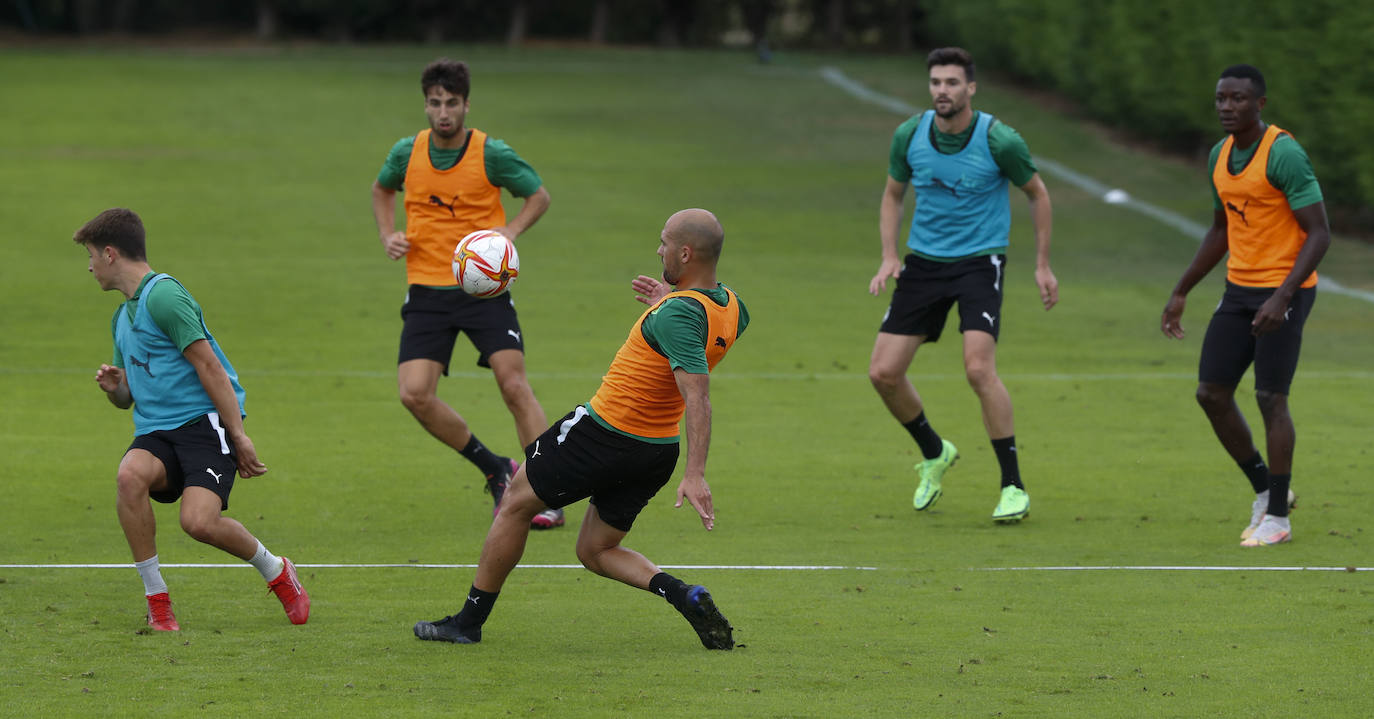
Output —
<point x="196" y="454"/>
<point x="927" y="289"/>
<point x="1229" y="347"/>
<point x="578" y="458"/>
<point x="433" y="318"/>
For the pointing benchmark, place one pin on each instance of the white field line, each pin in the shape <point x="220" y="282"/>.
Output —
<point x="742" y="567"/>
<point x="782" y="376"/>
<point x="1179" y="568"/>
<point x="1109" y="195"/>
<point x="408" y="565"/>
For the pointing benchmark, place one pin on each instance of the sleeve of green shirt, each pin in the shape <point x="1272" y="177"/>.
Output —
<point x="1211" y="168"/>
<point x="897" y="167"/>
<point x="117" y="358"/>
<point x="678" y="330"/>
<point x="1290" y="171"/>
<point x="175" y="312"/>
<point x="393" y="174"/>
<point x="507" y="169"/>
<point x="1011" y="153"/>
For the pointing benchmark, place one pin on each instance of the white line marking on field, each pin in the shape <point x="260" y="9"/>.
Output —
<point x="1178" y="568"/>
<point x="167" y="565"/>
<point x="1110" y="195"/>
<point x="742" y="567"/>
<point x="802" y="376"/>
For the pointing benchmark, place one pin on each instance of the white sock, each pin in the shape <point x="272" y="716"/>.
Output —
<point x="268" y="564"/>
<point x="152" y="576"/>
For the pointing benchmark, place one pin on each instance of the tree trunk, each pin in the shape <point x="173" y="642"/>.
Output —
<point x="601" y="16"/>
<point x="519" y="14"/>
<point x="268" y="23"/>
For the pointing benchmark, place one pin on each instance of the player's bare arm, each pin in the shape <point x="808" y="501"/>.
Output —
<point x="1312" y="220"/>
<point x="534" y="208"/>
<point x="116" y="386"/>
<point x="696" y="393"/>
<point x="394" y="241"/>
<point x="1042" y="219"/>
<point x="216" y="383"/>
<point x="1211" y="251"/>
<point x="889" y="219"/>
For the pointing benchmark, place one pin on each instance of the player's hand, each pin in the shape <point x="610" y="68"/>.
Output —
<point x="1049" y="287"/>
<point x="1270" y="316"/>
<point x="1171" y="321"/>
<point x="109" y="378"/>
<point x="396" y="245"/>
<point x="696" y="491"/>
<point x="889" y="270"/>
<point x="649" y="290"/>
<point x="247" y="456"/>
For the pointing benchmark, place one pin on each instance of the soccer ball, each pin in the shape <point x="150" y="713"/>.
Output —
<point x="485" y="263"/>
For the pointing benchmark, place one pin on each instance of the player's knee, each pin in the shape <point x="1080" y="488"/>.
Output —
<point x="1270" y="401"/>
<point x="416" y="401"/>
<point x="884" y="379"/>
<point x="980" y="375"/>
<point x="515" y="390"/>
<point x="198" y="527"/>
<point x="1213" y="398"/>
<point x="132" y="484"/>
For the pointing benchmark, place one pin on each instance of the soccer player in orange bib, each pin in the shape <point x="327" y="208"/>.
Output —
<point x="620" y="448"/>
<point x="1269" y="215"/>
<point x="452" y="177"/>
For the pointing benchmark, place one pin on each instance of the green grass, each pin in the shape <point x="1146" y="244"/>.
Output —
<point x="251" y="169"/>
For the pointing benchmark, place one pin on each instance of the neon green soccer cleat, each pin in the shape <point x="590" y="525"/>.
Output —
<point x="932" y="471"/>
<point x="1014" y="505"/>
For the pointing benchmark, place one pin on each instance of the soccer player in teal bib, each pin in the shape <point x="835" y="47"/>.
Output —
<point x="187" y="404"/>
<point x="961" y="163"/>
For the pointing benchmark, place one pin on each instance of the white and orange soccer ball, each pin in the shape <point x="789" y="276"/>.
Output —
<point x="485" y="263"/>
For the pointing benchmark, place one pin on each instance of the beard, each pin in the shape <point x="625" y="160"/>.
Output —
<point x="954" y="109"/>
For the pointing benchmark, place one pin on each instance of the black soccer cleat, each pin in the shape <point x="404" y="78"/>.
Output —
<point x="446" y="630"/>
<point x="712" y="627"/>
<point x="498" y="483"/>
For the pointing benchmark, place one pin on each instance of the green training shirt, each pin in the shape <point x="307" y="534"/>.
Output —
<point x="1289" y="171"/>
<point x="171" y="308"/>
<point x="1008" y="148"/>
<point x="504" y="167"/>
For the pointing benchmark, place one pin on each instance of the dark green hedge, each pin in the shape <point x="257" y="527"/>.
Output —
<point x="1150" y="66"/>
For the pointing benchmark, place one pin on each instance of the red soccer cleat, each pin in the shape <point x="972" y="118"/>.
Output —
<point x="292" y="595"/>
<point x="160" y="615"/>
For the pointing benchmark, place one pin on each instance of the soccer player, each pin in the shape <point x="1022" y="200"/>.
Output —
<point x="452" y="176"/>
<point x="620" y="448"/>
<point x="960" y="162"/>
<point x="1268" y="213"/>
<point x="188" y="417"/>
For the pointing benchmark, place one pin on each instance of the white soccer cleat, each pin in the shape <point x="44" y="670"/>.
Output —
<point x="1272" y="530"/>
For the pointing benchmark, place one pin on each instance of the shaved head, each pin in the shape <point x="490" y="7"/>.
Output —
<point x="698" y="229"/>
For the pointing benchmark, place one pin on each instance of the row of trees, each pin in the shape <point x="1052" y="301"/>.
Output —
<point x="1150" y="66"/>
<point x="814" y="23"/>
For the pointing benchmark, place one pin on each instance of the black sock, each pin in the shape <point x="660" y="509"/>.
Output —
<point x="1278" y="494"/>
<point x="475" y="609"/>
<point x="1256" y="472"/>
<point x="489" y="462"/>
<point x="1005" y="449"/>
<point x="669" y="587"/>
<point x="925" y="436"/>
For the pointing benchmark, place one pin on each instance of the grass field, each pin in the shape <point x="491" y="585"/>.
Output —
<point x="251" y="168"/>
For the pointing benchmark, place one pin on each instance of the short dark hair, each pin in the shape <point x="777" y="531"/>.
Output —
<point x="452" y="75"/>
<point x="119" y="228"/>
<point x="1247" y="72"/>
<point x="952" y="56"/>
